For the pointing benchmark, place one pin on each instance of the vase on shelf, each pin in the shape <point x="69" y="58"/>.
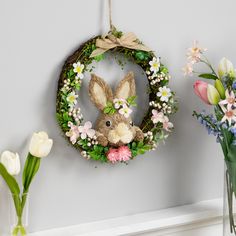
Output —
<point x="19" y="215"/>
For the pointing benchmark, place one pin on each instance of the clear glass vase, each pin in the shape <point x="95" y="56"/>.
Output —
<point x="19" y="218"/>
<point x="229" y="217"/>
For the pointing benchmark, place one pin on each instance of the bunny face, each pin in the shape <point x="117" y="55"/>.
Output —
<point x="115" y="129"/>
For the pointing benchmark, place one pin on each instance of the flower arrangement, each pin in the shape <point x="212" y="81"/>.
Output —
<point x="109" y="147"/>
<point x="40" y="146"/>
<point x="221" y="124"/>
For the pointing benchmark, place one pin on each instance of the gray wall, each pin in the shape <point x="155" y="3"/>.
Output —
<point x="37" y="36"/>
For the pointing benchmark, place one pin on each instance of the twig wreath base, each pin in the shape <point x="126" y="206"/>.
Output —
<point x="110" y="145"/>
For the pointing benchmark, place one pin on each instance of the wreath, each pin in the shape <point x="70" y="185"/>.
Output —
<point x="115" y="138"/>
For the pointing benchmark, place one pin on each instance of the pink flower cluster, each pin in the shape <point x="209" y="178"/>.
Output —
<point x="122" y="153"/>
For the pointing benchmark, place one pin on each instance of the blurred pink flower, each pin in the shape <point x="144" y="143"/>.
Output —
<point x="188" y="69"/>
<point x="157" y="116"/>
<point x="230" y="115"/>
<point x="86" y="130"/>
<point x="113" y="155"/>
<point x="124" y="153"/>
<point x="73" y="133"/>
<point x="194" y="53"/>
<point x="230" y="99"/>
<point x="167" y="125"/>
<point x="200" y="88"/>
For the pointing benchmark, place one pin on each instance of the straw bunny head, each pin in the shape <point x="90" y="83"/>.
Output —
<point x="115" y="129"/>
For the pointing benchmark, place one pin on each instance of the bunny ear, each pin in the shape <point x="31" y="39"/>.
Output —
<point x="126" y="87"/>
<point x="99" y="92"/>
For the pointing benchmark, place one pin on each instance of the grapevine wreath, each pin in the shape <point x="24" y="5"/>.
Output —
<point x="115" y="138"/>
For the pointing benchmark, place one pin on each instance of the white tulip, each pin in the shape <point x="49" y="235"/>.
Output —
<point x="11" y="161"/>
<point x="40" y="144"/>
<point x="225" y="68"/>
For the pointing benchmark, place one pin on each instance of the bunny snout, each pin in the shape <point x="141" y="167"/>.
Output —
<point x="121" y="134"/>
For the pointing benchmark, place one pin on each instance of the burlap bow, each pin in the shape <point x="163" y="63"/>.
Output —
<point x="128" y="40"/>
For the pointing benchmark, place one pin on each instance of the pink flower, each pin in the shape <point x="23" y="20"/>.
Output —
<point x="113" y="155"/>
<point x="188" y="69"/>
<point x="194" y="53"/>
<point x="86" y="130"/>
<point x="167" y="125"/>
<point x="200" y="88"/>
<point x="122" y="153"/>
<point x="157" y="116"/>
<point x="230" y="99"/>
<point x="230" y="115"/>
<point x="73" y="133"/>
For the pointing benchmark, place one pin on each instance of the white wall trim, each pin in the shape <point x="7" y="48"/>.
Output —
<point x="162" y="222"/>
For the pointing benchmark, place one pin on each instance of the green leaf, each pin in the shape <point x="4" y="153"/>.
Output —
<point x="131" y="100"/>
<point x="70" y="73"/>
<point x="31" y="167"/>
<point x="13" y="187"/>
<point x="10" y="180"/>
<point x="99" y="57"/>
<point x="208" y="76"/>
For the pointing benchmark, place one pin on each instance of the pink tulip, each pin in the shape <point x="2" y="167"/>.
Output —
<point x="200" y="88"/>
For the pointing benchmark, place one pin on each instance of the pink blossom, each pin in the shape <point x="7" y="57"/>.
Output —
<point x="113" y="155"/>
<point x="73" y="133"/>
<point x="157" y="116"/>
<point x="167" y="125"/>
<point x="194" y="53"/>
<point x="200" y="88"/>
<point x="188" y="69"/>
<point x="230" y="99"/>
<point x="124" y="153"/>
<point x="86" y="130"/>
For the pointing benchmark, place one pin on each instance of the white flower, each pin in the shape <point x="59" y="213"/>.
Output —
<point x="118" y="102"/>
<point x="40" y="144"/>
<point x="155" y="65"/>
<point x="225" y="68"/>
<point x="126" y="111"/>
<point x="78" y="69"/>
<point x="72" y="98"/>
<point x="164" y="94"/>
<point x="11" y="161"/>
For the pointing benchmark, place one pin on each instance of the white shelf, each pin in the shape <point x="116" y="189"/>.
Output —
<point x="163" y="222"/>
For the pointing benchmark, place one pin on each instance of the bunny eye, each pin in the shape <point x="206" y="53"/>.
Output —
<point x="108" y="123"/>
<point x="131" y="123"/>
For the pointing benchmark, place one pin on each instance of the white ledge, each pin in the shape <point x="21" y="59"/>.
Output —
<point x="161" y="222"/>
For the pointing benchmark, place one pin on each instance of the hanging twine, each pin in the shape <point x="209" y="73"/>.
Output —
<point x="109" y="41"/>
<point x="110" y="15"/>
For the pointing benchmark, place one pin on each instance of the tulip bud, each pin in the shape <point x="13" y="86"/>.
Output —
<point x="40" y="145"/>
<point x="226" y="68"/>
<point x="200" y="88"/>
<point x="213" y="95"/>
<point x="220" y="88"/>
<point x="11" y="161"/>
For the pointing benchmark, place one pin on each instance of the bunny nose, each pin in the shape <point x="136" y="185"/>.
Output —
<point x="121" y="133"/>
<point x="121" y="129"/>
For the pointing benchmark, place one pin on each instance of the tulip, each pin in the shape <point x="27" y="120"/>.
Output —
<point x="200" y="88"/>
<point x="11" y="161"/>
<point x="226" y="68"/>
<point x="213" y="95"/>
<point x="220" y="88"/>
<point x="40" y="144"/>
